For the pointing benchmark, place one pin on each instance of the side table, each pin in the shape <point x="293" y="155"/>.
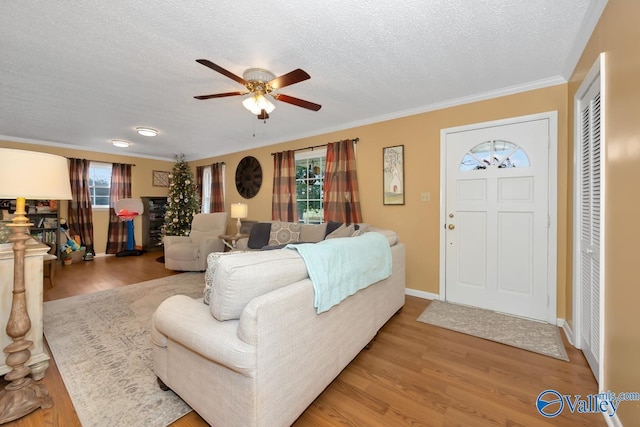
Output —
<point x="230" y="240"/>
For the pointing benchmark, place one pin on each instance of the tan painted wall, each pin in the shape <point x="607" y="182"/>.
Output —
<point x="617" y="35"/>
<point x="140" y="184"/>
<point x="416" y="222"/>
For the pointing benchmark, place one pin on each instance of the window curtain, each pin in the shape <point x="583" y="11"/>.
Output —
<point x="80" y="213"/>
<point x="216" y="190"/>
<point x="199" y="181"/>
<point x="283" y="203"/>
<point x="217" y="187"/>
<point x="341" y="196"/>
<point x="120" y="189"/>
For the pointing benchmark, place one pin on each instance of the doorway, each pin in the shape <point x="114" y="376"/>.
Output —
<point x="498" y="199"/>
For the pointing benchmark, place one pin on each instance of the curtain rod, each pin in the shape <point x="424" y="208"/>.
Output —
<point x="101" y="161"/>
<point x="318" y="146"/>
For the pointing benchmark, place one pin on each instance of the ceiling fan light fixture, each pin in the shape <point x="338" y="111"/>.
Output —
<point x="146" y="131"/>
<point x="257" y="103"/>
<point x="120" y="143"/>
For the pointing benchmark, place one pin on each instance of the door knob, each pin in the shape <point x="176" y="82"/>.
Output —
<point x="451" y="226"/>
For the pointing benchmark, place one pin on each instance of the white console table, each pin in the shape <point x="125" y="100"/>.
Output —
<point x="34" y="254"/>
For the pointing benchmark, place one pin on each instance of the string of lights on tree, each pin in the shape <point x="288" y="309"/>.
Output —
<point x="182" y="200"/>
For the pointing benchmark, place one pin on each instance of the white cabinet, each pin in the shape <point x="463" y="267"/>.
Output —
<point x="39" y="360"/>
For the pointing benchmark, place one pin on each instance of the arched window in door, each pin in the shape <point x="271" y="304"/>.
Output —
<point x="496" y="154"/>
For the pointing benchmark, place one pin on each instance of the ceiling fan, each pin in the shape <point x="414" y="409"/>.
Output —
<point x="260" y="83"/>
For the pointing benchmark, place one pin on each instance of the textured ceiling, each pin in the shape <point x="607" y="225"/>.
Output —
<point x="80" y="73"/>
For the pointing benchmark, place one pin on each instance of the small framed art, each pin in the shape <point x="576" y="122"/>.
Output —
<point x="393" y="175"/>
<point x="160" y="179"/>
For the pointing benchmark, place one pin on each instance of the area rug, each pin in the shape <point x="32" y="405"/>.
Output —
<point x="101" y="343"/>
<point x="538" y="337"/>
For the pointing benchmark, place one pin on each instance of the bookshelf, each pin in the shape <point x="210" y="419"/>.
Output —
<point x="152" y="222"/>
<point x="43" y="214"/>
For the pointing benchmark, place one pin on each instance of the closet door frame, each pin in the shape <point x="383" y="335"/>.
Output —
<point x="597" y="73"/>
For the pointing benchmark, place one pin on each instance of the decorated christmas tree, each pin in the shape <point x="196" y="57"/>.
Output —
<point x="182" y="200"/>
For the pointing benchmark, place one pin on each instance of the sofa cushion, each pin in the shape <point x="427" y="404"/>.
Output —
<point x="312" y="233"/>
<point x="284" y="232"/>
<point x="342" y="231"/>
<point x="392" y="236"/>
<point x="259" y="235"/>
<point x="241" y="278"/>
<point x="212" y="262"/>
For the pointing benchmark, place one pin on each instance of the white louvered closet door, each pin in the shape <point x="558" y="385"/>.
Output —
<point x="590" y="225"/>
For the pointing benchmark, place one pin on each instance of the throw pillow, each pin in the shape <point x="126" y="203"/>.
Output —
<point x="342" y="231"/>
<point x="331" y="227"/>
<point x="284" y="232"/>
<point x="360" y="230"/>
<point x="313" y="233"/>
<point x="259" y="235"/>
<point x="212" y="263"/>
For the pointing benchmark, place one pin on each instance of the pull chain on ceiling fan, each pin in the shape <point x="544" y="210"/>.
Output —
<point x="260" y="84"/>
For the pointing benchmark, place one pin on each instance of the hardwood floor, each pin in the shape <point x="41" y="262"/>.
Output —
<point x="413" y="375"/>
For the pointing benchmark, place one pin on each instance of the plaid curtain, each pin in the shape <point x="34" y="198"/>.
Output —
<point x="217" y="187"/>
<point x="120" y="189"/>
<point x="80" y="213"/>
<point x="199" y="175"/>
<point x="341" y="196"/>
<point x="283" y="204"/>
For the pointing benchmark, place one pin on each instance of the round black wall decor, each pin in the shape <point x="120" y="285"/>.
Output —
<point x="248" y="177"/>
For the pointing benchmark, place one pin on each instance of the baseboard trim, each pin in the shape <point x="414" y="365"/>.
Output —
<point x="102" y="255"/>
<point x="421" y="294"/>
<point x="612" y="421"/>
<point x="568" y="332"/>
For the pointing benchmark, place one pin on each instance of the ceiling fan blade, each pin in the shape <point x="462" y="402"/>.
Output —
<point x="290" y="78"/>
<point x="219" y="95"/>
<point x="222" y="71"/>
<point x="298" y="102"/>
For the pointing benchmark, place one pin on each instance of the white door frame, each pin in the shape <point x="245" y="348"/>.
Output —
<point x="552" y="249"/>
<point x="598" y="68"/>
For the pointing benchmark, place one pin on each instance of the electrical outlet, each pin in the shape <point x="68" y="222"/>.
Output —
<point x="425" y="197"/>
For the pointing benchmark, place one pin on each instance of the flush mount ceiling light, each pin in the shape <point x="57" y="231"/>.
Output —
<point x="146" y="131"/>
<point x="120" y="143"/>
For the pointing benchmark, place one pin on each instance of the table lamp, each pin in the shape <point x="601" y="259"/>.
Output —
<point x="25" y="175"/>
<point x="239" y="210"/>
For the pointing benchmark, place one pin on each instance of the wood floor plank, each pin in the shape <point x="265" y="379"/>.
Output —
<point x="413" y="375"/>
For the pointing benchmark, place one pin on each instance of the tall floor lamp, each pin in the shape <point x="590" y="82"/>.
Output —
<point x="32" y="175"/>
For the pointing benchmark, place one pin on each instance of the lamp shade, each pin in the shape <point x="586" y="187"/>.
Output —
<point x="33" y="175"/>
<point x="239" y="210"/>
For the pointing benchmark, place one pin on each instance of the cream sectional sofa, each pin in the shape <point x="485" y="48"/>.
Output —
<point x="259" y="354"/>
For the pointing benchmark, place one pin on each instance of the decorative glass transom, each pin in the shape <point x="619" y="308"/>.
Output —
<point x="496" y="154"/>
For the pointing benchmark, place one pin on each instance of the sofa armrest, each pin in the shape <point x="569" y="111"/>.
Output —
<point x="170" y="240"/>
<point x="187" y="321"/>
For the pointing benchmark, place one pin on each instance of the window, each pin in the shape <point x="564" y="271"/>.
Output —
<point x="500" y="154"/>
<point x="99" y="184"/>
<point x="310" y="167"/>
<point x="206" y="189"/>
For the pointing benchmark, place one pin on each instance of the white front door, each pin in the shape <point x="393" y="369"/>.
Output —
<point x="496" y="220"/>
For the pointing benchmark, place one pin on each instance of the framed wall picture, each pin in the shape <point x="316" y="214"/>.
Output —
<point x="160" y="179"/>
<point x="393" y="175"/>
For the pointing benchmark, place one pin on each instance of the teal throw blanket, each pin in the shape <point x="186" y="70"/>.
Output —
<point x="341" y="267"/>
